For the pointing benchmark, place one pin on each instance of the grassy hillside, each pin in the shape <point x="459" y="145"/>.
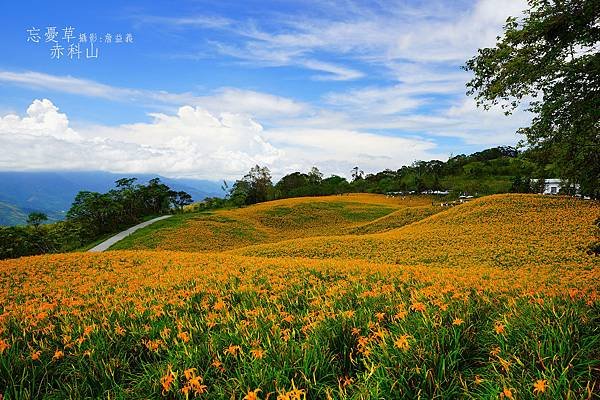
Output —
<point x="397" y="299"/>
<point x="274" y="221"/>
<point x="498" y="231"/>
<point x="397" y="219"/>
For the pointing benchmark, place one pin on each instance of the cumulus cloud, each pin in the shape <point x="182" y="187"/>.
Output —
<point x="42" y="119"/>
<point x="416" y="48"/>
<point x="193" y="143"/>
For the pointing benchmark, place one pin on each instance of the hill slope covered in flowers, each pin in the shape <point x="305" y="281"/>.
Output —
<point x="492" y="299"/>
<point x="497" y="231"/>
<point x="282" y="219"/>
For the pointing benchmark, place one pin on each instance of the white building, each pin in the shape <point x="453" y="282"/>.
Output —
<point x="552" y="186"/>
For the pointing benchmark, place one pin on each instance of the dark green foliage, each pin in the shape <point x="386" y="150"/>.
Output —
<point x="255" y="187"/>
<point x="292" y="184"/>
<point x="93" y="215"/>
<point x="550" y="60"/>
<point x="496" y="170"/>
<point x="18" y="241"/>
<point x="180" y="199"/>
<point x="521" y="185"/>
<point x="127" y="204"/>
<point x="298" y="184"/>
<point x="36" y="218"/>
<point x="210" y="203"/>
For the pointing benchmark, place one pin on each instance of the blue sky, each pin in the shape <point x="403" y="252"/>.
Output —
<point x="208" y="89"/>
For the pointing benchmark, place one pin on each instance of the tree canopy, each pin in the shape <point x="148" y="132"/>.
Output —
<point x="549" y="61"/>
<point x="36" y="218"/>
<point x="254" y="187"/>
<point x="495" y="170"/>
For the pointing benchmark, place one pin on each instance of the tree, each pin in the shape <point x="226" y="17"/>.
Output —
<point x="521" y="185"/>
<point x="91" y="215"/>
<point x="356" y="174"/>
<point x="549" y="59"/>
<point x="155" y="197"/>
<point x="238" y="194"/>
<point x="96" y="213"/>
<point x="290" y="185"/>
<point x="180" y="199"/>
<point x="538" y="185"/>
<point x="36" y="218"/>
<point x="255" y="187"/>
<point x="315" y="177"/>
<point x="128" y="194"/>
<point x="335" y="185"/>
<point x="37" y="239"/>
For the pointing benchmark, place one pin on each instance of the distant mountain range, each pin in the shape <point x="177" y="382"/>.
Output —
<point x="53" y="192"/>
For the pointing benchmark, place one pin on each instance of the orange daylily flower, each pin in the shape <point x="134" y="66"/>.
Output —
<point x="252" y="395"/>
<point x="257" y="353"/>
<point x="167" y="380"/>
<point x="402" y="342"/>
<point x="540" y="386"/>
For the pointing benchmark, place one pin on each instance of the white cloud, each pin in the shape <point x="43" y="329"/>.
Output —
<point x="191" y="143"/>
<point x="231" y="99"/>
<point x="43" y="119"/>
<point x="339" y="150"/>
<point x="258" y="104"/>
<point x="419" y="46"/>
<point x="483" y="127"/>
<point x="424" y="107"/>
<point x="433" y="32"/>
<point x="203" y="21"/>
<point x="332" y="72"/>
<point x="194" y="143"/>
<point x="222" y="134"/>
<point x="67" y="84"/>
<point x="456" y="37"/>
<point x="387" y="100"/>
<point x="257" y="55"/>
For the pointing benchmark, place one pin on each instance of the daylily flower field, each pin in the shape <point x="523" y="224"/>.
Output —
<point x="364" y="297"/>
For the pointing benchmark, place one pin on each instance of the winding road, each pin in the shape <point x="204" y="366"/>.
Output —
<point x="119" y="236"/>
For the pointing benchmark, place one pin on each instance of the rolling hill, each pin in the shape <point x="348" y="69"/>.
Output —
<point x="499" y="231"/>
<point x="349" y="297"/>
<point x="278" y="220"/>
